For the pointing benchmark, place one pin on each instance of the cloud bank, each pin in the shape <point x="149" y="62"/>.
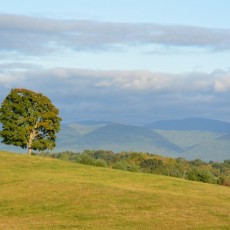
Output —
<point x="31" y="35"/>
<point x="134" y="96"/>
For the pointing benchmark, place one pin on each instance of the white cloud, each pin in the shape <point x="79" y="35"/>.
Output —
<point x="136" y="80"/>
<point x="222" y="84"/>
<point x="217" y="81"/>
<point x="7" y="80"/>
<point x="31" y="35"/>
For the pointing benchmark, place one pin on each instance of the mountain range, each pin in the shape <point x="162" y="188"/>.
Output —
<point x="189" y="124"/>
<point x="190" y="138"/>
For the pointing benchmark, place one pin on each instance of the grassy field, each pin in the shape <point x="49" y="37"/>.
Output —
<point x="44" y="193"/>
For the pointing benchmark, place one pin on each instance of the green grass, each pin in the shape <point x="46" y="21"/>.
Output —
<point x="44" y="193"/>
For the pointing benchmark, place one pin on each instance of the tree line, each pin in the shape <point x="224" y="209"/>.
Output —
<point x="195" y="170"/>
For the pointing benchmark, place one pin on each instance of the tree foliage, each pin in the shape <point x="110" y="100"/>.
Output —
<point x="29" y="120"/>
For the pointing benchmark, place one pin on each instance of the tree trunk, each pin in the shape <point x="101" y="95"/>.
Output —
<point x="29" y="143"/>
<point x="29" y="151"/>
<point x="33" y="134"/>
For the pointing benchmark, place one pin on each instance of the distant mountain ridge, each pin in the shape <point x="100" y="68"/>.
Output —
<point x="92" y="122"/>
<point x="118" y="137"/>
<point x="200" y="124"/>
<point x="136" y="137"/>
<point x="190" y="138"/>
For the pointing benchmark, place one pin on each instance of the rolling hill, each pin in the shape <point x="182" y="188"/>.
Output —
<point x="118" y="137"/>
<point x="200" y="144"/>
<point x="216" y="149"/>
<point x="45" y="193"/>
<point x="201" y="138"/>
<point x="190" y="138"/>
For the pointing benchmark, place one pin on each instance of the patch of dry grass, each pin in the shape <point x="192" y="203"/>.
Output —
<point x="43" y="193"/>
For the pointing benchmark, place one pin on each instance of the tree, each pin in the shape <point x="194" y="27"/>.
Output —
<point x="201" y="174"/>
<point x="29" y="120"/>
<point x="152" y="165"/>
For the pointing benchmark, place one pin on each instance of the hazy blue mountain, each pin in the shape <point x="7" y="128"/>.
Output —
<point x="187" y="139"/>
<point x="190" y="138"/>
<point x="92" y="122"/>
<point x="225" y="137"/>
<point x="82" y="129"/>
<point x="200" y="144"/>
<point x="116" y="137"/>
<point x="190" y="124"/>
<point x="134" y="136"/>
<point x="217" y="149"/>
<point x="71" y="132"/>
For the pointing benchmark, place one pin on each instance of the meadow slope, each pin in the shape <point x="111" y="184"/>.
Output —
<point x="45" y="193"/>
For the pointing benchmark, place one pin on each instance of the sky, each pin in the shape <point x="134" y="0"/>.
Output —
<point x="125" y="61"/>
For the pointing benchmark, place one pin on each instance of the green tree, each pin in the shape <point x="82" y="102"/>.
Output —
<point x="201" y="174"/>
<point x="29" y="120"/>
<point x="152" y="165"/>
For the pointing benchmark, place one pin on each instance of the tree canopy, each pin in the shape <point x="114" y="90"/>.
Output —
<point x="29" y="120"/>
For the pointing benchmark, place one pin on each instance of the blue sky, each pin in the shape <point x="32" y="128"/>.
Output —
<point x="125" y="60"/>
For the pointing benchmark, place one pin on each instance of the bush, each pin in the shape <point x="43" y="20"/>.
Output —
<point x="86" y="159"/>
<point x="100" y="163"/>
<point x="124" y="165"/>
<point x="200" y="174"/>
<point x="151" y="165"/>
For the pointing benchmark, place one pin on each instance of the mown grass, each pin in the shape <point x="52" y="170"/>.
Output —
<point x="44" y="193"/>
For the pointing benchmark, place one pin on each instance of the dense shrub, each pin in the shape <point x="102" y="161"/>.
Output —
<point x="200" y="174"/>
<point x="152" y="165"/>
